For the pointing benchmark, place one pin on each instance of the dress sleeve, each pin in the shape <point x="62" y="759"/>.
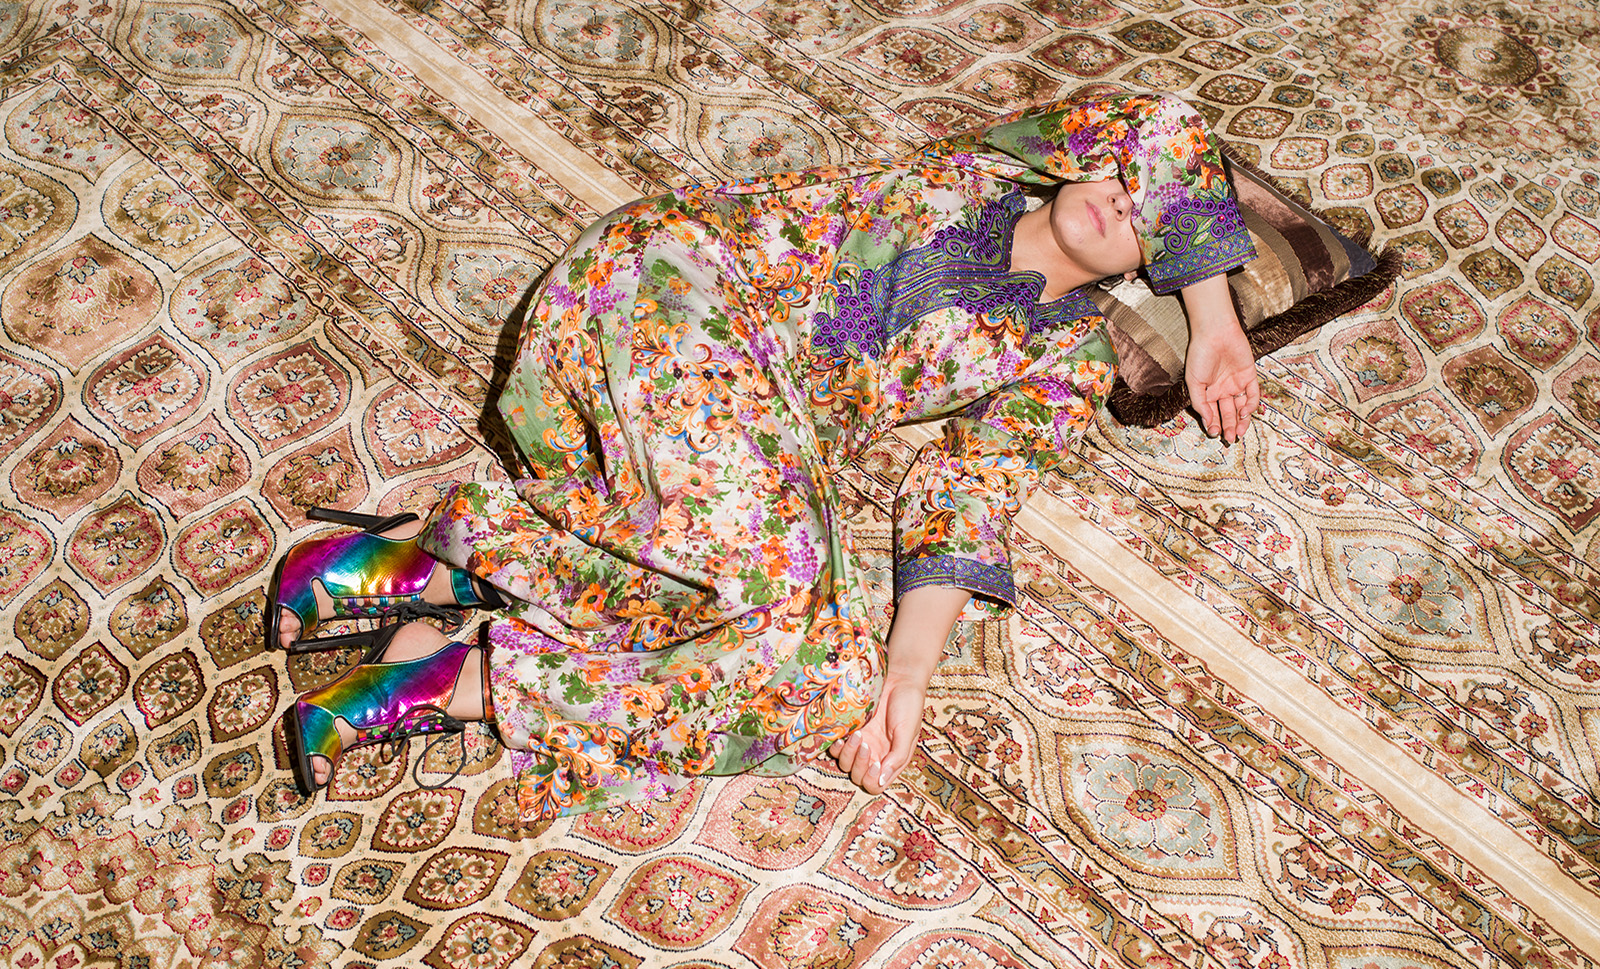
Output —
<point x="954" y="508"/>
<point x="1185" y="212"/>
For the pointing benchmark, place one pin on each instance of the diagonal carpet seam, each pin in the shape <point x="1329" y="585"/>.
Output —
<point x="1228" y="649"/>
<point x="1318" y="615"/>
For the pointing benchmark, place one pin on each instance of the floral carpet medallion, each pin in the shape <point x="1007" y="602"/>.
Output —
<point x="1328" y="698"/>
<point x="1505" y="80"/>
<point x="1150" y="812"/>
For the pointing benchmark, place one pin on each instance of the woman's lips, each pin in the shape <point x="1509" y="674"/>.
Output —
<point x="1095" y="218"/>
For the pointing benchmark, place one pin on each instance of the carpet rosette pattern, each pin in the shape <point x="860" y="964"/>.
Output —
<point x="1328" y="698"/>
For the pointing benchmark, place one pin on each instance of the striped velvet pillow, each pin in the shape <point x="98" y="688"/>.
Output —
<point x="1305" y="273"/>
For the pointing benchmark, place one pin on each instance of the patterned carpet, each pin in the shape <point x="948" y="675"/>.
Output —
<point x="1329" y="698"/>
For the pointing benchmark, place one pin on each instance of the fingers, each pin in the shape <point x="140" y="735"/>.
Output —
<point x="1247" y="410"/>
<point x="1228" y="413"/>
<point x="1228" y="408"/>
<point x="866" y="770"/>
<point x="861" y="756"/>
<point x="905" y="743"/>
<point x="869" y="776"/>
<point x="847" y="750"/>
<point x="1210" y="416"/>
<point x="858" y="755"/>
<point x="1249" y="401"/>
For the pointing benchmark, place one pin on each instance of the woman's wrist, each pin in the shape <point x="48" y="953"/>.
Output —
<point x="917" y="673"/>
<point x="1203" y="324"/>
<point x="924" y="618"/>
<point x="913" y="654"/>
<point x="1209" y="305"/>
<point x="917" y="680"/>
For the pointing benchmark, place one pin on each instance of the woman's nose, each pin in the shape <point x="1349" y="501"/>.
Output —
<point x="1121" y="203"/>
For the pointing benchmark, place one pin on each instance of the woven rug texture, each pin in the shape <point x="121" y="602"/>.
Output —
<point x="1325" y="699"/>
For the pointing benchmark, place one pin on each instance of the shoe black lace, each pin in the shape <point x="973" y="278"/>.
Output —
<point x="426" y="719"/>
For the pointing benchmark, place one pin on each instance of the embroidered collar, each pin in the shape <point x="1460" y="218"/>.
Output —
<point x="963" y="266"/>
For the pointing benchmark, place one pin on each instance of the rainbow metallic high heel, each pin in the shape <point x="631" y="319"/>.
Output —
<point x="386" y="703"/>
<point x="367" y="576"/>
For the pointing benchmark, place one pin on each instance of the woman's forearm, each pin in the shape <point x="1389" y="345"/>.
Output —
<point x="923" y="620"/>
<point x="1209" y="305"/>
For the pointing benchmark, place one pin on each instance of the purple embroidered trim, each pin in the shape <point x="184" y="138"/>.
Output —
<point x="963" y="266"/>
<point x="856" y="327"/>
<point x="989" y="581"/>
<point x="956" y="268"/>
<point x="1177" y="270"/>
<point x="1184" y="217"/>
<point x="1073" y="306"/>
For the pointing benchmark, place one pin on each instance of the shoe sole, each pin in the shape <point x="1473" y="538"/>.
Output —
<point x="305" y="776"/>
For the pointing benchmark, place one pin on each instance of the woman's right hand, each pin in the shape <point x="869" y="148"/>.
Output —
<point x="1220" y="368"/>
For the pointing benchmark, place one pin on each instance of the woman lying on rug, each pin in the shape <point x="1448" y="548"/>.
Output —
<point x="677" y="595"/>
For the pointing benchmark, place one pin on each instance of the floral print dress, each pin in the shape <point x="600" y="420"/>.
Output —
<point x="693" y="374"/>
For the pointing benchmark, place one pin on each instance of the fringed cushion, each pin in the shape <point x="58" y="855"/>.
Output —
<point x="1305" y="273"/>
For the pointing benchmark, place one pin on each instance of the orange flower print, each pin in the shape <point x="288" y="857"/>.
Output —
<point x="591" y="601"/>
<point x="700" y="679"/>
<point x="936" y="526"/>
<point x="776" y="557"/>
<point x="642" y="701"/>
<point x="599" y="273"/>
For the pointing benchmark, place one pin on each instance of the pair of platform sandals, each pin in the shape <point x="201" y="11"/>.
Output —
<point x="365" y="575"/>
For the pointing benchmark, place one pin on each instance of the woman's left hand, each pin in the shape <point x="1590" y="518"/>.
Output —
<point x="881" y="748"/>
<point x="875" y="754"/>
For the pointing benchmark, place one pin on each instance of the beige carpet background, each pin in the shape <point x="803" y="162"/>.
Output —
<point x="1327" y="698"/>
